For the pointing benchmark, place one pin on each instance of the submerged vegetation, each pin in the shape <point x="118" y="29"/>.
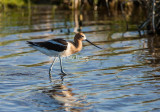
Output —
<point x="125" y="7"/>
<point x="10" y="3"/>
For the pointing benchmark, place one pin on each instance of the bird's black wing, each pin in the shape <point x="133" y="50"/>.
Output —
<point x="58" y="45"/>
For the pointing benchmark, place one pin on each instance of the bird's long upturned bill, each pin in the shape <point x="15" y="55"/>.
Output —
<point x="93" y="44"/>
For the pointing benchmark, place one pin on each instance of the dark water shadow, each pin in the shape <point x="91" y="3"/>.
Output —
<point x="19" y="74"/>
<point x="36" y="64"/>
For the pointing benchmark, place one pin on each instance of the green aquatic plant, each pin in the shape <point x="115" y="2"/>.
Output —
<point x="12" y="2"/>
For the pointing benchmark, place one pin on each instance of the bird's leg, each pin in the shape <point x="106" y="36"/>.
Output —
<point x="50" y="69"/>
<point x="61" y="66"/>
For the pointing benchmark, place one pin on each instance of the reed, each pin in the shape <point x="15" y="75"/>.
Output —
<point x="9" y="3"/>
<point x="112" y="7"/>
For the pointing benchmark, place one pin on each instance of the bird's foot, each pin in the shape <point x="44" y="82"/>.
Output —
<point x="63" y="73"/>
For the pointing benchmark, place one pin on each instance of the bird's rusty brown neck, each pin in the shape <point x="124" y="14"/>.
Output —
<point x="78" y="44"/>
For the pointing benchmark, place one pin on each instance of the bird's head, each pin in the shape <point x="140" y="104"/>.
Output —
<point x="80" y="36"/>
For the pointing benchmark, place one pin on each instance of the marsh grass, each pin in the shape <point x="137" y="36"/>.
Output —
<point x="17" y="3"/>
<point x="112" y="7"/>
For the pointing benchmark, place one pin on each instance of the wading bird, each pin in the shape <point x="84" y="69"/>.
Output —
<point x="60" y="48"/>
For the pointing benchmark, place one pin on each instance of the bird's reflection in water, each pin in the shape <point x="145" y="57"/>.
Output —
<point x="61" y="76"/>
<point x="67" y="99"/>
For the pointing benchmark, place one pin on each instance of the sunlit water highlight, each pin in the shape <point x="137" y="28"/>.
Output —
<point x="122" y="77"/>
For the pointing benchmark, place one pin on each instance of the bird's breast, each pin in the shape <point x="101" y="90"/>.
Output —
<point x="71" y="49"/>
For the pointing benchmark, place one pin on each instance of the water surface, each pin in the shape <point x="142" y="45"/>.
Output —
<point x="122" y="77"/>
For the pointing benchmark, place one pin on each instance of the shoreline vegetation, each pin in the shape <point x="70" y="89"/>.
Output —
<point x="12" y="3"/>
<point x="150" y="8"/>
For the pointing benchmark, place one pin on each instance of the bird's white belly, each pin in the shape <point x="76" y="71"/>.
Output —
<point x="53" y="53"/>
<point x="66" y="52"/>
<point x="47" y="52"/>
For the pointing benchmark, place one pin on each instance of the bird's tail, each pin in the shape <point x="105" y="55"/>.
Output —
<point x="30" y="43"/>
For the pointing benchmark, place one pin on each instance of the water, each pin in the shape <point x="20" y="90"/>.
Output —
<point x="122" y="77"/>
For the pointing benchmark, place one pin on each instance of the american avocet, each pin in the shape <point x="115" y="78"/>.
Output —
<point x="60" y="47"/>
